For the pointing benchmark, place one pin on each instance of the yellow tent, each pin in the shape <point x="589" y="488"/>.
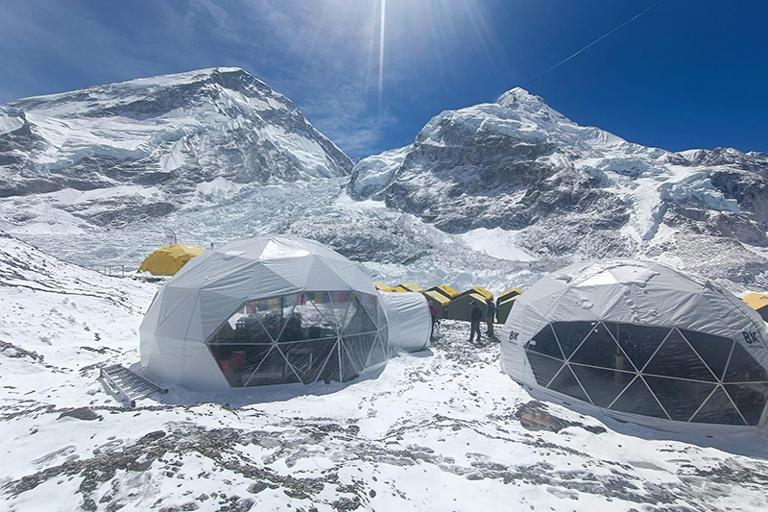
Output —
<point x="758" y="302"/>
<point x="508" y="295"/>
<point x="445" y="290"/>
<point x="169" y="259"/>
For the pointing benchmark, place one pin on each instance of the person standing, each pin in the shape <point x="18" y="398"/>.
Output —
<point x="433" y="314"/>
<point x="490" y="314"/>
<point x="475" y="315"/>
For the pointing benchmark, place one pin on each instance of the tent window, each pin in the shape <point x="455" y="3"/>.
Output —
<point x="750" y="399"/>
<point x="300" y="337"/>
<point x="544" y="368"/>
<point x="680" y="398"/>
<point x="571" y="334"/>
<point x="718" y="409"/>
<point x="638" y="341"/>
<point x="565" y="382"/>
<point x="743" y="367"/>
<point x="378" y="352"/>
<point x="638" y="399"/>
<point x="713" y="349"/>
<point x="675" y="358"/>
<point x="652" y="371"/>
<point x="544" y="342"/>
<point x="602" y="386"/>
<point x="600" y="349"/>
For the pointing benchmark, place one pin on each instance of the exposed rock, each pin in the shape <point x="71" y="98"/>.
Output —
<point x="81" y="413"/>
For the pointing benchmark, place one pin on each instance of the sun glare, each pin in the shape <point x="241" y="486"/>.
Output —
<point x="382" y="27"/>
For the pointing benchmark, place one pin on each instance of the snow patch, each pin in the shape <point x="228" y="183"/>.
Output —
<point x="498" y="243"/>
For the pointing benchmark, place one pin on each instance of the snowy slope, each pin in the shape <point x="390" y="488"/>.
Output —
<point x="112" y="154"/>
<point x="493" y="194"/>
<point x="438" y="430"/>
<point x="559" y="188"/>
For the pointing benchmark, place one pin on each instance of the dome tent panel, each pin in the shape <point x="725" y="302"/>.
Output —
<point x="249" y="313"/>
<point x="750" y="398"/>
<point x="544" y="368"/>
<point x="639" y="342"/>
<point x="742" y="367"/>
<point x="571" y="335"/>
<point x="565" y="382"/>
<point x="680" y="398"/>
<point x="409" y="321"/>
<point x="719" y="409"/>
<point x="594" y="382"/>
<point x="679" y="335"/>
<point x="546" y="343"/>
<point x="638" y="399"/>
<point x="713" y="350"/>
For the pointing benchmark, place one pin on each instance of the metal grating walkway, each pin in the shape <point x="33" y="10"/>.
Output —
<point x="128" y="385"/>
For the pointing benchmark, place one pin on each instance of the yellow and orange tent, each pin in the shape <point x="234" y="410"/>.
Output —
<point x="169" y="259"/>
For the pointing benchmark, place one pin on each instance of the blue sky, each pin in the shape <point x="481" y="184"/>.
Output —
<point x="687" y="74"/>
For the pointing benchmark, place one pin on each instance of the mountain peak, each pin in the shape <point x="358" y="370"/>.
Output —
<point x="517" y="97"/>
<point x="178" y="135"/>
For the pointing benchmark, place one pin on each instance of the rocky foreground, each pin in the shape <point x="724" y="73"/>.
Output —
<point x="439" y="430"/>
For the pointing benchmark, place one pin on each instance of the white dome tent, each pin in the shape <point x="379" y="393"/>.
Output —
<point x="643" y="343"/>
<point x="409" y="323"/>
<point x="266" y="310"/>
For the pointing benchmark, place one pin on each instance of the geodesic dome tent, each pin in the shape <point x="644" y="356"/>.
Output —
<point x="640" y="342"/>
<point x="409" y="322"/>
<point x="170" y="259"/>
<point x="266" y="310"/>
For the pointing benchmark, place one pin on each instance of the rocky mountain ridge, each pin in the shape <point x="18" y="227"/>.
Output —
<point x="491" y="190"/>
<point x="148" y="146"/>
<point x="565" y="189"/>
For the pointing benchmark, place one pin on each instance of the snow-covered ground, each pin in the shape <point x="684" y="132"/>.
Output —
<point x="437" y="430"/>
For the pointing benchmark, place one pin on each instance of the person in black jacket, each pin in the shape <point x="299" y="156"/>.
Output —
<point x="490" y="313"/>
<point x="474" y="318"/>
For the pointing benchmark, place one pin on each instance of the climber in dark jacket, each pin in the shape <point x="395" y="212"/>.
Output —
<point x="433" y="314"/>
<point x="474" y="318"/>
<point x="490" y="313"/>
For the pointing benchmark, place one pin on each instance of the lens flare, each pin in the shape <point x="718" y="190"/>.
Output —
<point x="382" y="27"/>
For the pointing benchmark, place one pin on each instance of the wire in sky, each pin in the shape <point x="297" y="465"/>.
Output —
<point x="633" y="18"/>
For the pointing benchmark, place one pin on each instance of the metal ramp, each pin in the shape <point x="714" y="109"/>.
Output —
<point x="128" y="385"/>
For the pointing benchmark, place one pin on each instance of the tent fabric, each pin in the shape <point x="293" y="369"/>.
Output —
<point x="408" y="319"/>
<point x="641" y="342"/>
<point x="169" y="259"/>
<point x="260" y="304"/>
<point x="508" y="295"/>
